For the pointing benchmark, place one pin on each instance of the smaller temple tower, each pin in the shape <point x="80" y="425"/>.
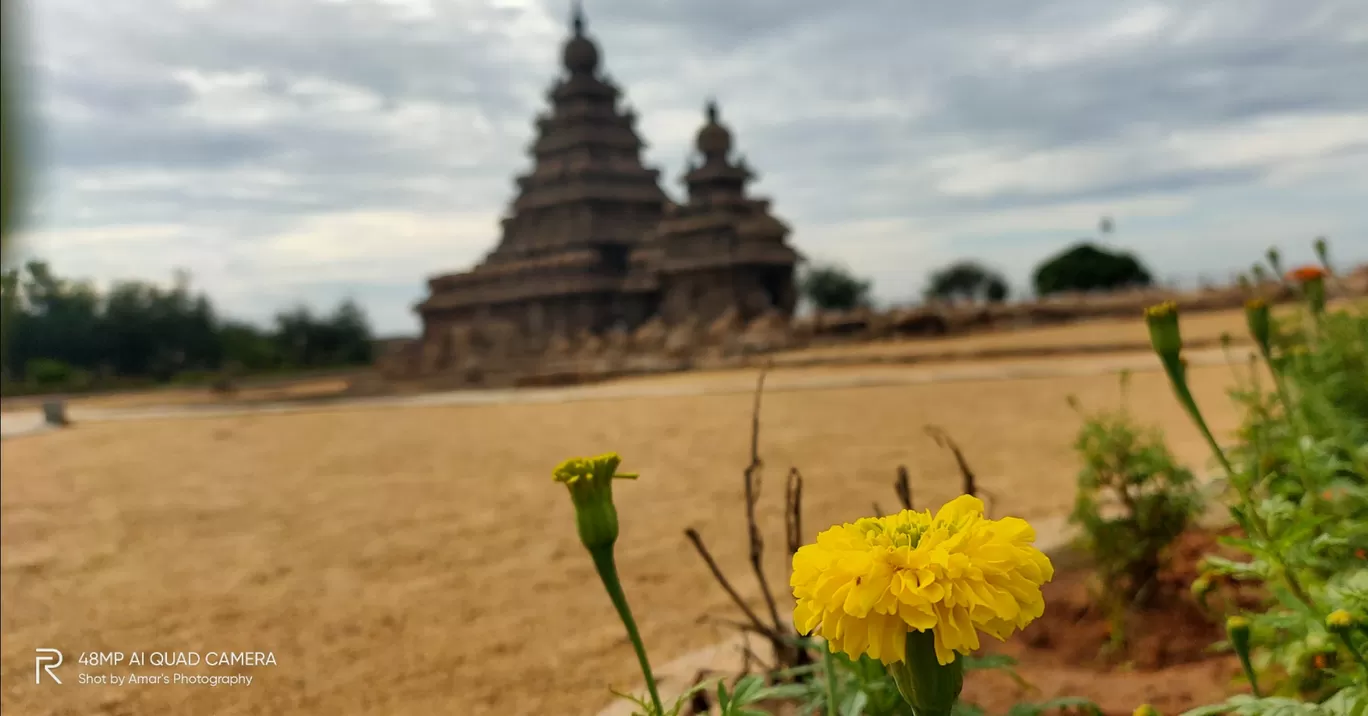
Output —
<point x="722" y="249"/>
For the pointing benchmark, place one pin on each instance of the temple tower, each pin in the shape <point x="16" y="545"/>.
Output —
<point x="564" y="252"/>
<point x="723" y="249"/>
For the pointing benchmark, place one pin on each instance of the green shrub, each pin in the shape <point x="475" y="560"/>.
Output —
<point x="1133" y="500"/>
<point x="1298" y="488"/>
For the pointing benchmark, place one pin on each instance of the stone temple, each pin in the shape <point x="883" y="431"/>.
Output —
<point x="592" y="247"/>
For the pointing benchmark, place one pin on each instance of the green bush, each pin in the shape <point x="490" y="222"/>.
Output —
<point x="51" y="374"/>
<point x="1133" y="500"/>
<point x="1298" y="489"/>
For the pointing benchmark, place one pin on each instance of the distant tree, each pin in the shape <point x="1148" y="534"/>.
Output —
<point x="967" y="281"/>
<point x="833" y="288"/>
<point x="59" y="333"/>
<point x="1086" y="267"/>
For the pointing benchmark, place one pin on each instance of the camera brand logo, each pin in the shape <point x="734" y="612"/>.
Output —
<point x="47" y="660"/>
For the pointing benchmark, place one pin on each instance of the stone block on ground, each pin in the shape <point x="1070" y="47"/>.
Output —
<point x="55" y="413"/>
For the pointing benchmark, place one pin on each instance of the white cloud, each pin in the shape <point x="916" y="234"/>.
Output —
<point x="301" y="151"/>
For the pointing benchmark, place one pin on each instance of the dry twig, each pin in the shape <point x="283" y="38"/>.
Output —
<point x="758" y="625"/>
<point x="903" y="486"/>
<point x="969" y="485"/>
<point x="752" y="476"/>
<point x="793" y="511"/>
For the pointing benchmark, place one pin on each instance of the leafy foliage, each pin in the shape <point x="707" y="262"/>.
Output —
<point x="968" y="281"/>
<point x="833" y="288"/>
<point x="67" y="335"/>
<point x="1086" y="267"/>
<point x="1133" y="500"/>
<point x="864" y="687"/>
<point x="748" y="691"/>
<point x="1298" y="488"/>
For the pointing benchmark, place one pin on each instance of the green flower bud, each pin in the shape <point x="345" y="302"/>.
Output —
<point x="1237" y="629"/>
<point x="1322" y="250"/>
<point x="1275" y="260"/>
<point x="1260" y="275"/>
<point x="1201" y="587"/>
<point x="590" y="481"/>
<point x="1260" y="325"/>
<point x="1244" y="284"/>
<point x="1162" y="321"/>
<point x="929" y="687"/>
<point x="1339" y="621"/>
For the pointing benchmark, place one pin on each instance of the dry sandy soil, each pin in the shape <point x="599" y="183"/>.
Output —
<point x="420" y="560"/>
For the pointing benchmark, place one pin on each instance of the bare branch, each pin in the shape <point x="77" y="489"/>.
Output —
<point x="943" y="439"/>
<point x="793" y="511"/>
<point x="903" y="486"/>
<point x="878" y="511"/>
<point x="752" y="479"/>
<point x="760" y="626"/>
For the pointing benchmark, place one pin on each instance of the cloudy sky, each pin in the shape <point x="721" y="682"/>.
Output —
<point x="289" y="151"/>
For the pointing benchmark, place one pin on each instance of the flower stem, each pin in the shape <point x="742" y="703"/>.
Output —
<point x="607" y="569"/>
<point x="1354" y="650"/>
<point x="1249" y="673"/>
<point x="829" y="666"/>
<point x="1177" y="376"/>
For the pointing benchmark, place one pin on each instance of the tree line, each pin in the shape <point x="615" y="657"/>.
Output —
<point x="61" y="334"/>
<point x="1082" y="267"/>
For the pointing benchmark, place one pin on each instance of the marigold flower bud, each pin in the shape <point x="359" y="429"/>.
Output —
<point x="1260" y="275"/>
<point x="1275" y="259"/>
<point x="1162" y="321"/>
<point x="1237" y="629"/>
<point x="1260" y="325"/>
<point x="590" y="481"/>
<point x="1322" y="250"/>
<point x="1339" y="621"/>
<point x="1201" y="587"/>
<point x="1145" y="710"/>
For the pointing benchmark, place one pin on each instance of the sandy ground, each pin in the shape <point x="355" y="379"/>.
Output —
<point x="419" y="560"/>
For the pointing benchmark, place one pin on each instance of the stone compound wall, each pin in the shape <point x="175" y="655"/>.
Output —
<point x="495" y="353"/>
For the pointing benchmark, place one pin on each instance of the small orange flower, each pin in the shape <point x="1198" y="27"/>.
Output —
<point x="1360" y="553"/>
<point x="1302" y="274"/>
<point x="1319" y="661"/>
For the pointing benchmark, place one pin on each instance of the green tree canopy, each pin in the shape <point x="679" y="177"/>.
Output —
<point x="833" y="288"/>
<point x="967" y="281"/>
<point x="1086" y="267"/>
<point x="55" y="327"/>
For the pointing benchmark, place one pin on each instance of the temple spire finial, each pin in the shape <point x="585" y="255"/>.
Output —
<point x="712" y="109"/>
<point x="577" y="17"/>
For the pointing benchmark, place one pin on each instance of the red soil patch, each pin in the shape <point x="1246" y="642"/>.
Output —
<point x="1166" y="660"/>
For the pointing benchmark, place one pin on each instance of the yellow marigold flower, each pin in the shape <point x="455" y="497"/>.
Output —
<point x="1145" y="710"/>
<point x="864" y="586"/>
